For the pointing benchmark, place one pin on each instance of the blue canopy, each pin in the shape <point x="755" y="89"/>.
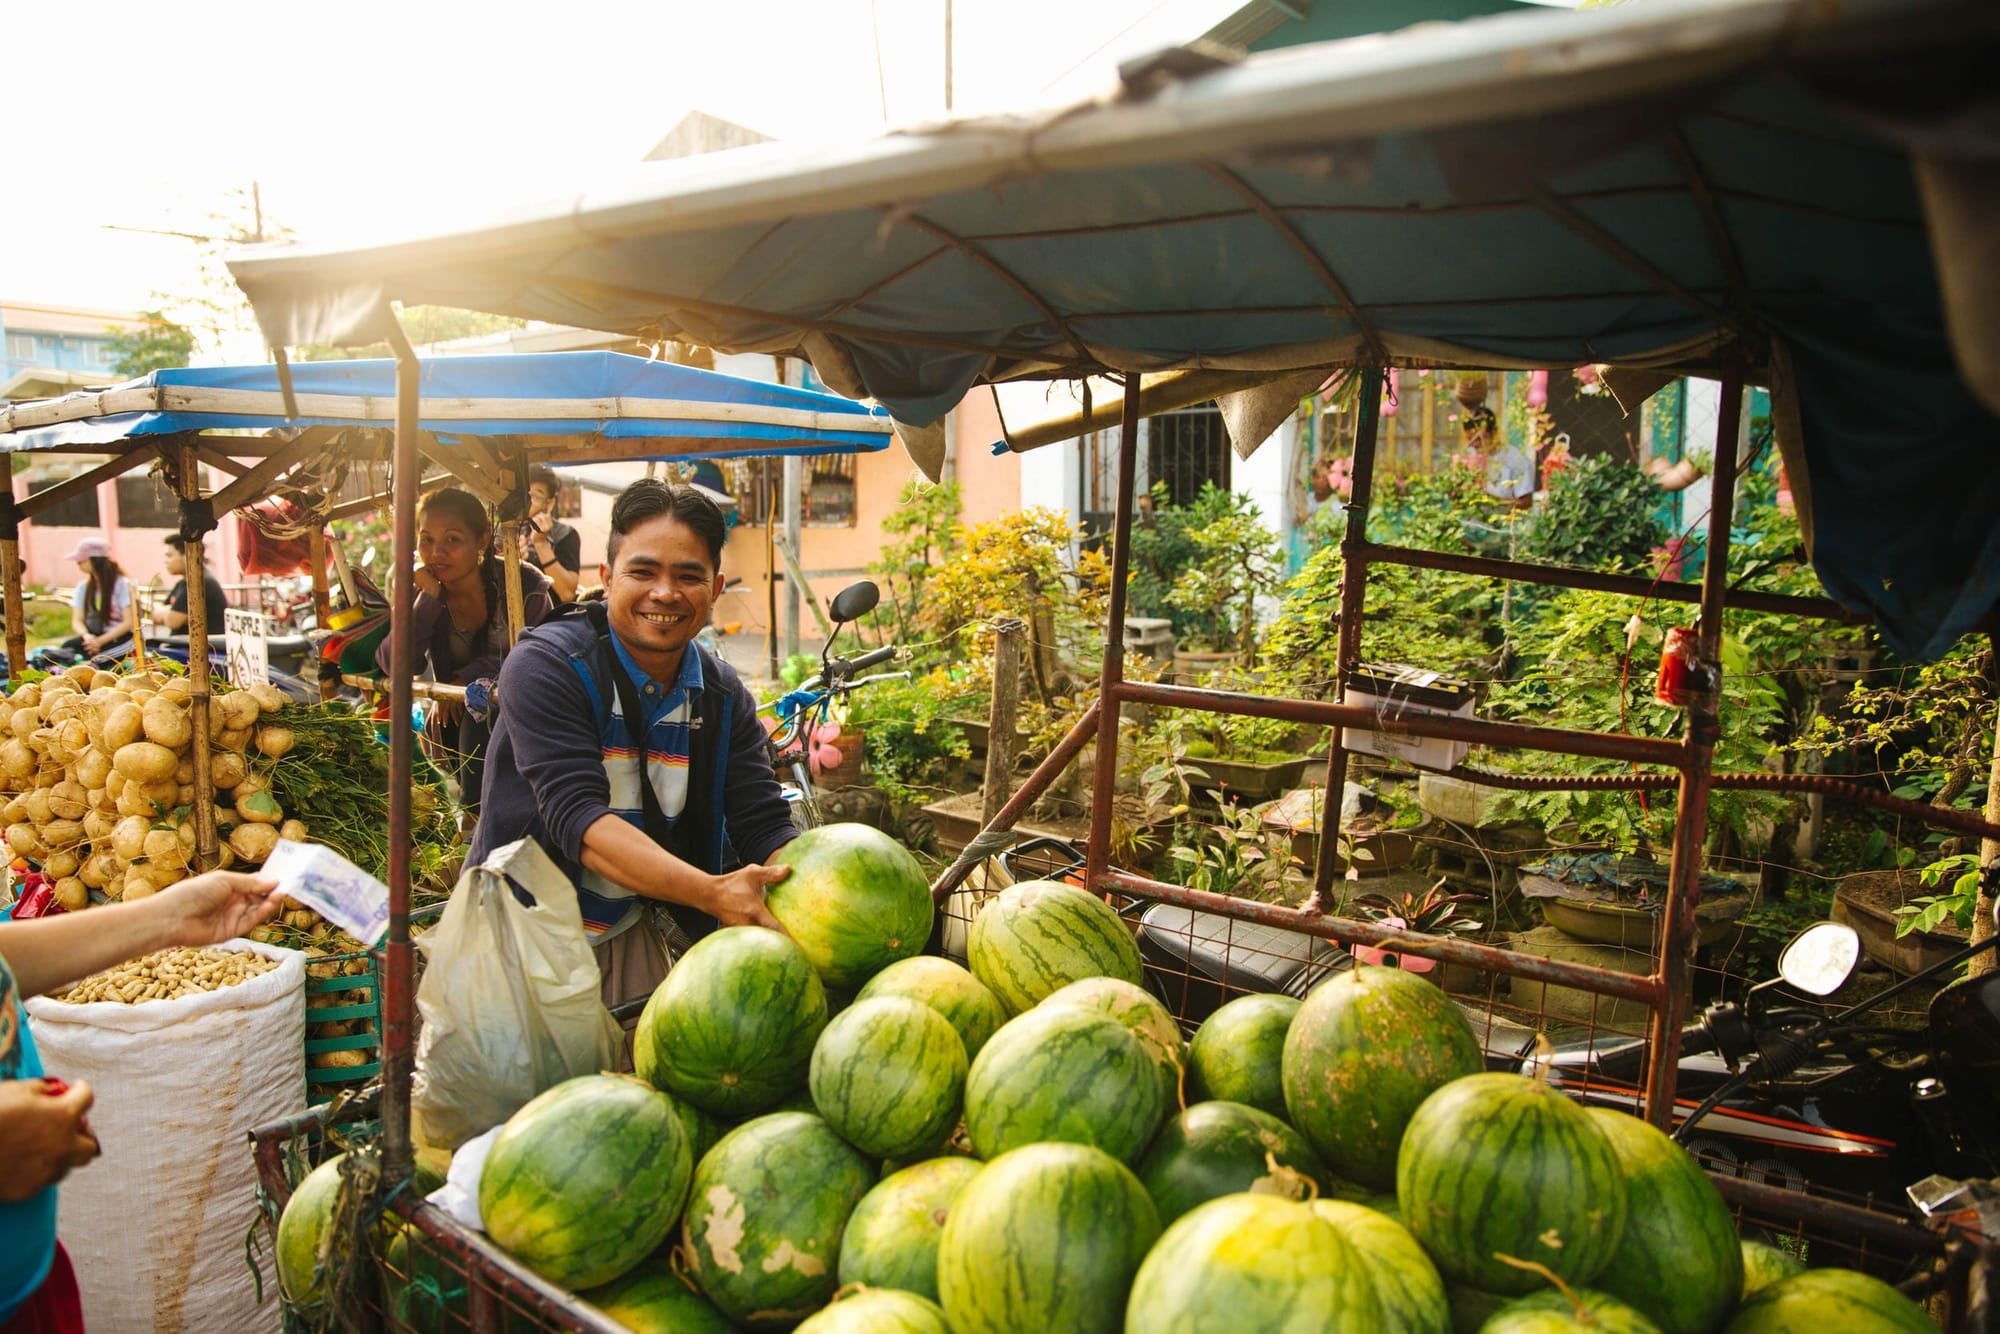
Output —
<point x="666" y="410"/>
<point x="1785" y="186"/>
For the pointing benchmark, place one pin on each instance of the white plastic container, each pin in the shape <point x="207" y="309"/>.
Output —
<point x="1398" y="690"/>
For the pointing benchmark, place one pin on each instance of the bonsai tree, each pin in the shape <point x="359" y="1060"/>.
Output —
<point x="1236" y="560"/>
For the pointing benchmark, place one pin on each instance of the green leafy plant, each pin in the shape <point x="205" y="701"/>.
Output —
<point x="1431" y="911"/>
<point x="1599" y="513"/>
<point x="1237" y="560"/>
<point x="922" y="534"/>
<point x="1235" y="855"/>
<point x="914" y="749"/>
<point x="1956" y="905"/>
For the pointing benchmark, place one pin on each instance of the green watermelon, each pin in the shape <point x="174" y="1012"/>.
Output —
<point x="732" y="1028"/>
<point x="889" y="1075"/>
<point x="701" y="1129"/>
<point x="878" y="1311"/>
<point x="1044" y="1240"/>
<point x="765" y="1214"/>
<point x="1238" y="1053"/>
<point x="1679" y="1259"/>
<point x="1764" y="1265"/>
<point x="1407" y="1285"/>
<point x="422" y="1289"/>
<point x="892" y="1237"/>
<point x="300" y="1230"/>
<point x="1225" y="1148"/>
<point x="653" y="1299"/>
<point x="1552" y="1312"/>
<point x="947" y="988"/>
<point x="1063" y="1073"/>
<point x="1386" y="1205"/>
<point x="856" y="901"/>
<point x="1471" y="1308"/>
<point x="1821" y="1301"/>
<point x="1367" y="1046"/>
<point x="1503" y="1165"/>
<point x="1247" y="1262"/>
<point x="586" y="1180"/>
<point x="1139" y="1010"/>
<point x="1039" y="936"/>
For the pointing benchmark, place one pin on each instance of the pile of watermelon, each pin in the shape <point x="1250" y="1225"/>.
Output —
<point x="1028" y="1146"/>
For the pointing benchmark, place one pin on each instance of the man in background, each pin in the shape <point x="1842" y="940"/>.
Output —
<point x="551" y="544"/>
<point x="174" y="619"/>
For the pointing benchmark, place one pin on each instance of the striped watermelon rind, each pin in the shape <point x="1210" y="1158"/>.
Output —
<point x="1215" y="1149"/>
<point x="1065" y="1074"/>
<point x="889" y="1075"/>
<point x="1552" y="1312"/>
<point x="653" y="1299"/>
<point x="878" y="1311"/>
<point x="856" y="901"/>
<point x="1764" y="1265"/>
<point x="1502" y="1165"/>
<point x="1679" y="1259"/>
<point x="761" y="1235"/>
<point x="1366" y="1048"/>
<point x="732" y="1027"/>
<point x="1238" y="1053"/>
<point x="1821" y="1301"/>
<point x="1408" y="1287"/>
<point x="1245" y="1262"/>
<point x="1045" y="1238"/>
<point x="1039" y="936"/>
<point x="1139" y="1010"/>
<point x="304" y="1222"/>
<point x="586" y="1180"/>
<point x="892" y="1236"/>
<point x="965" y="1001"/>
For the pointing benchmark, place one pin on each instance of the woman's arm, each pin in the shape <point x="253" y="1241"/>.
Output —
<point x="48" y="953"/>
<point x="76" y="622"/>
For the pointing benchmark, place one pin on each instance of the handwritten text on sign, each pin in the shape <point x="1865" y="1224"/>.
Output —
<point x="244" y="633"/>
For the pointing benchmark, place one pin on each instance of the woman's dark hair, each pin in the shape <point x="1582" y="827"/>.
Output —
<point x="1474" y="419"/>
<point x="650" y="498"/>
<point x="460" y="505"/>
<point x="104" y="577"/>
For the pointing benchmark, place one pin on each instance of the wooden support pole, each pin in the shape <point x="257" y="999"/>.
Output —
<point x="510" y="578"/>
<point x="205" y="846"/>
<point x="10" y="570"/>
<point x="1008" y="633"/>
<point x="1989" y="853"/>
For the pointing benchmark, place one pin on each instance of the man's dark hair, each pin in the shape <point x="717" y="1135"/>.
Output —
<point x="650" y="498"/>
<point x="544" y="476"/>
<point x="177" y="542"/>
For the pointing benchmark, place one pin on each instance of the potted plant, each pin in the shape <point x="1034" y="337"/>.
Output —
<point x="1234" y="561"/>
<point x="1432" y="912"/>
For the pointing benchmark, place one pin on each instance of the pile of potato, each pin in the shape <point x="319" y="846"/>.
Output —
<point x="101" y="772"/>
<point x="168" y="975"/>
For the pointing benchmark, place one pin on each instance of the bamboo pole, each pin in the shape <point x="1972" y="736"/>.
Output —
<point x="10" y="569"/>
<point x="1989" y="853"/>
<point x="205" y="846"/>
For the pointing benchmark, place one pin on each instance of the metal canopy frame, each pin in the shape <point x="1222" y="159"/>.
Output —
<point x="1665" y="990"/>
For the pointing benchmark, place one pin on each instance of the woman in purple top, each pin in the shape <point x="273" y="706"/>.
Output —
<point x="461" y="624"/>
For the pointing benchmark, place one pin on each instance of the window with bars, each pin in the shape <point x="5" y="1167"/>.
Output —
<point x="78" y="511"/>
<point x="828" y="486"/>
<point x="1186" y="450"/>
<point x="145" y="502"/>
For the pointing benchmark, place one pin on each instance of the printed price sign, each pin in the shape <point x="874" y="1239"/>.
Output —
<point x="244" y="632"/>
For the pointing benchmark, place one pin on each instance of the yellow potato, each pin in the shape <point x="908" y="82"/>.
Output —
<point x="233" y="738"/>
<point x="253" y="842"/>
<point x="103" y="681"/>
<point x="241" y="707"/>
<point x="179" y="690"/>
<point x="139" y="884"/>
<point x="39" y="812"/>
<point x="144" y="762"/>
<point x="28" y="696"/>
<point x="72" y="893"/>
<point x="134" y="801"/>
<point x="98" y="824"/>
<point x="16" y="760"/>
<point x="25" y="723"/>
<point x="92" y="767"/>
<point x="226" y="768"/>
<point x="68" y="800"/>
<point x="166" y="793"/>
<point x="293" y="831"/>
<point x="59" y="864"/>
<point x="128" y="839"/>
<point x="269" y="698"/>
<point x="61" y="834"/>
<point x="163" y="848"/>
<point x="166" y="723"/>
<point x="123" y="725"/>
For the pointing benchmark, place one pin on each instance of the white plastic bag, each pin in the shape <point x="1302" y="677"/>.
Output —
<point x="509" y="1000"/>
<point x="155" y="1227"/>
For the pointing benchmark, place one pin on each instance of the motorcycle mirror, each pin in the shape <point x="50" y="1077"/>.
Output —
<point x="1820" y="959"/>
<point x="855" y="601"/>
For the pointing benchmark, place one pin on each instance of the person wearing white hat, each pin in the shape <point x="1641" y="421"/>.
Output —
<point x="101" y="610"/>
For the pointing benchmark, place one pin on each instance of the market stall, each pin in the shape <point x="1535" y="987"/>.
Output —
<point x="126" y="801"/>
<point x="1737" y="188"/>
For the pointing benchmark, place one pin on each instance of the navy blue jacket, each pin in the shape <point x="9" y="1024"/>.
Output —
<point x="545" y="767"/>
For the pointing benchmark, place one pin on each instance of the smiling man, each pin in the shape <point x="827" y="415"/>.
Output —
<point x="634" y="756"/>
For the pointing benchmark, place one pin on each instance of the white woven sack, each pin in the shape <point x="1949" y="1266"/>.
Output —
<point x="156" y="1226"/>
